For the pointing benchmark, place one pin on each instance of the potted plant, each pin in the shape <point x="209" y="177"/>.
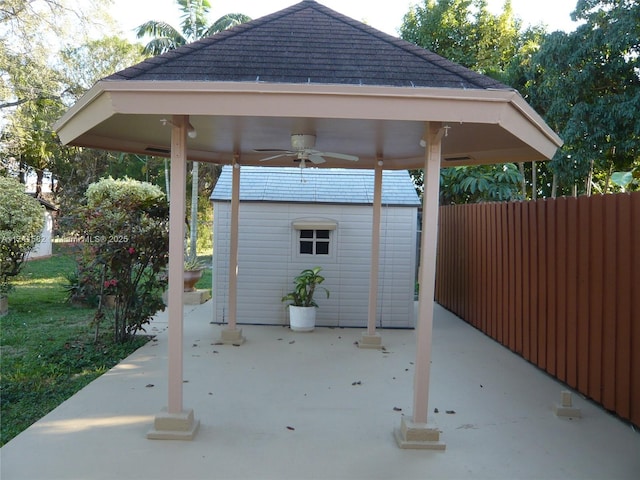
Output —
<point x="193" y="269"/>
<point x="302" y="309"/>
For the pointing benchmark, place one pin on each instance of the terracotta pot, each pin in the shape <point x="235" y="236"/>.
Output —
<point x="191" y="277"/>
<point x="109" y="301"/>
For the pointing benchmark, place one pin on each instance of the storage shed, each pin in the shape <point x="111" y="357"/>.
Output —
<point x="292" y="219"/>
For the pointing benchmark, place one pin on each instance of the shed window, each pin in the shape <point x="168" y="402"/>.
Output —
<point x="314" y="242"/>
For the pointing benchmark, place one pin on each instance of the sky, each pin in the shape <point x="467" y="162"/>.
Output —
<point x="385" y="15"/>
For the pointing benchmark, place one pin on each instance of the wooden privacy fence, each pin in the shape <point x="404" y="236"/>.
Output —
<point x="556" y="281"/>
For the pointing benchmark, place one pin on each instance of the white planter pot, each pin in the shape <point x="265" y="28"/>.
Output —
<point x="302" y="319"/>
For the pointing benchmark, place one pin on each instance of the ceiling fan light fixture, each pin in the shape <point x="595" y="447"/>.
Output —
<point x="302" y="141"/>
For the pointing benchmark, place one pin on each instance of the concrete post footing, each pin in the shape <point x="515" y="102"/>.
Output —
<point x="197" y="297"/>
<point x="565" y="408"/>
<point x="370" y="341"/>
<point x="422" y="436"/>
<point x="233" y="336"/>
<point x="174" y="426"/>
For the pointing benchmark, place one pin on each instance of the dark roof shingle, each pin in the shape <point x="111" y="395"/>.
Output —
<point x="307" y="43"/>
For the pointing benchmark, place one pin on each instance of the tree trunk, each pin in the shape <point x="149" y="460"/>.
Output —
<point x="589" y="179"/>
<point x="554" y="185"/>
<point x="193" y="239"/>
<point x="607" y="181"/>
<point x="22" y="172"/>
<point x="166" y="176"/>
<point x="39" y="178"/>
<point x="523" y="181"/>
<point x="534" y="181"/>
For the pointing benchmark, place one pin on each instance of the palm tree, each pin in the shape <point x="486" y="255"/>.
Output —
<point x="193" y="26"/>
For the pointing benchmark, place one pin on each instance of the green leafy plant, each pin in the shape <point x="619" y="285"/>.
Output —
<point x="192" y="264"/>
<point x="124" y="226"/>
<point x="305" y="287"/>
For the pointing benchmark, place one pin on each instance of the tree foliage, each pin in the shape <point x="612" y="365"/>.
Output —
<point x="193" y="26"/>
<point x="21" y="221"/>
<point x="40" y="77"/>
<point x="465" y="32"/>
<point x="480" y="183"/>
<point x="587" y="86"/>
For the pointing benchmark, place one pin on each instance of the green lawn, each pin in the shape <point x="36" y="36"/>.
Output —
<point x="47" y="350"/>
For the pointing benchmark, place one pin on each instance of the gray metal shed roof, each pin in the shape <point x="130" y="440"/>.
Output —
<point x="326" y="185"/>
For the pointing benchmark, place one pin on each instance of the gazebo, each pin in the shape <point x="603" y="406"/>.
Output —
<point x="307" y="70"/>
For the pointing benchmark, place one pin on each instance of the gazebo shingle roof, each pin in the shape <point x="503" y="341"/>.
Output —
<point x="307" y="43"/>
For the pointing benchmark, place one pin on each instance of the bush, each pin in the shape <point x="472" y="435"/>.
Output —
<point x="124" y="229"/>
<point x="21" y="221"/>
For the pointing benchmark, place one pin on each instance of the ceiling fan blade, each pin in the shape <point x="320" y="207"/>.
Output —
<point x="275" y="156"/>
<point x="271" y="150"/>
<point x="339" y="156"/>
<point x="316" y="159"/>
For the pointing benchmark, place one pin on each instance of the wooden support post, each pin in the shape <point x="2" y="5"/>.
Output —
<point x="371" y="339"/>
<point x="175" y="423"/>
<point x="232" y="335"/>
<point x="417" y="433"/>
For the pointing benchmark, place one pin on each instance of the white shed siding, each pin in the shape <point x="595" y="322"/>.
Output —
<point x="43" y="248"/>
<point x="268" y="262"/>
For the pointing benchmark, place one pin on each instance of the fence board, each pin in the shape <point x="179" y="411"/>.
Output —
<point x="477" y="264"/>
<point x="551" y="266"/>
<point x="511" y="281"/>
<point x="526" y="283"/>
<point x="596" y="273"/>
<point x="541" y="306"/>
<point x="623" y="303"/>
<point x="583" y="294"/>
<point x="494" y="268"/>
<point x="572" y="292"/>
<point x="505" y="282"/>
<point x="467" y="262"/>
<point x="561" y="288"/>
<point x="483" y="269"/>
<point x="556" y="281"/>
<point x="609" y="285"/>
<point x="634" y="257"/>
<point x="457" y="260"/>
<point x="533" y="282"/>
<point x="518" y="260"/>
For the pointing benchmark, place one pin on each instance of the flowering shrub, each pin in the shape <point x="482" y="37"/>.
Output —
<point x="124" y="227"/>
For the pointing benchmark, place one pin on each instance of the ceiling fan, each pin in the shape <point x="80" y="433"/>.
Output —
<point x="302" y="150"/>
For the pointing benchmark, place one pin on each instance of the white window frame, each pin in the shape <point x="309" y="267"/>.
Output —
<point x="315" y="225"/>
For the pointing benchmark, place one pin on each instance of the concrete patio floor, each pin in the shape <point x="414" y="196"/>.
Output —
<point x="312" y="405"/>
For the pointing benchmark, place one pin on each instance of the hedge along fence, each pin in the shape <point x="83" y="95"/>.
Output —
<point x="556" y="281"/>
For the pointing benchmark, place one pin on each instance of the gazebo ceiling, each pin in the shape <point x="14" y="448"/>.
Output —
<point x="360" y="91"/>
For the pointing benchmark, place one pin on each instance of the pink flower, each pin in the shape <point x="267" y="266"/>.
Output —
<point x="132" y="250"/>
